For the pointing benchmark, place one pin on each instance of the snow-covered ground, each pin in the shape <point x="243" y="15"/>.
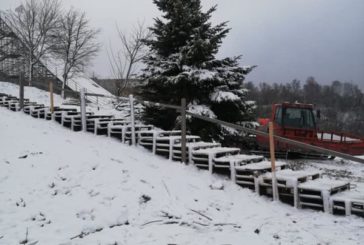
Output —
<point x="31" y="93"/>
<point x="62" y="187"/>
<point x="43" y="97"/>
<point x="337" y="168"/>
<point x="58" y="184"/>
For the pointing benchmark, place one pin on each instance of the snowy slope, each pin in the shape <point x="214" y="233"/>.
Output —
<point x="76" y="188"/>
<point x="42" y="97"/>
<point x="31" y="93"/>
<point x="76" y="81"/>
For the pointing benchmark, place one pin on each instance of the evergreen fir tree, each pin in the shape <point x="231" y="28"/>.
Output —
<point x="182" y="64"/>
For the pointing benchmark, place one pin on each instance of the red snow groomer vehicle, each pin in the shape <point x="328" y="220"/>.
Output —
<point x="297" y="121"/>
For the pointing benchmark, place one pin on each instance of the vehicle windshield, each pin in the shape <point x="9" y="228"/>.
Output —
<point x="295" y="117"/>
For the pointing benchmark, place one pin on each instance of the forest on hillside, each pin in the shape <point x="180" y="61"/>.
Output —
<point x="341" y="103"/>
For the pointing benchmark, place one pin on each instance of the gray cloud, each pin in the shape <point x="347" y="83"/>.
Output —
<point x="287" y="39"/>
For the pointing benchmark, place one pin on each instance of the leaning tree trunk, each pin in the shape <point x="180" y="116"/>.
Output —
<point x="64" y="86"/>
<point x="30" y="69"/>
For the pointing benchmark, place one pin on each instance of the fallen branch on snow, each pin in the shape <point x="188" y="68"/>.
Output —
<point x="23" y="157"/>
<point x="203" y="215"/>
<point x="228" y="224"/>
<point x="172" y="219"/>
<point x="118" y="224"/>
<point x="25" y="241"/>
<point x="151" y="222"/>
<point x="169" y="216"/>
<point x="165" y="186"/>
<point x="198" y="223"/>
<point x="86" y="233"/>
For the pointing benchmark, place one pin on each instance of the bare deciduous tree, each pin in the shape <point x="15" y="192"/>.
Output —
<point x="35" y="23"/>
<point x="132" y="50"/>
<point x="76" y="44"/>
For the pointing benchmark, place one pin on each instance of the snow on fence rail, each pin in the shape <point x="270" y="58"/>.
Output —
<point x="239" y="173"/>
<point x="280" y="139"/>
<point x="182" y="110"/>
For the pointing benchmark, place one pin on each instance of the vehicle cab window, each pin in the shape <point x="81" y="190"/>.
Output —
<point x="298" y="118"/>
<point x="278" y="116"/>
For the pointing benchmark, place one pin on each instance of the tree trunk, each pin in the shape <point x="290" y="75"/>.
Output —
<point x="127" y="76"/>
<point x="64" y="86"/>
<point x="30" y="69"/>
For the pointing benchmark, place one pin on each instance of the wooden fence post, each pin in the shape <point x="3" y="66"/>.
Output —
<point x="183" y="130"/>
<point x="51" y="96"/>
<point x="97" y="102"/>
<point x="132" y="119"/>
<point x="273" y="161"/>
<point x="21" y="91"/>
<point x="83" y="109"/>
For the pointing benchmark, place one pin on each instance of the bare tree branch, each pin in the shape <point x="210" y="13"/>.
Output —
<point x="132" y="50"/>
<point x="35" y="24"/>
<point x="76" y="44"/>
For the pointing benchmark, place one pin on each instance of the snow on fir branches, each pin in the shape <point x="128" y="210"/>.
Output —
<point x="182" y="64"/>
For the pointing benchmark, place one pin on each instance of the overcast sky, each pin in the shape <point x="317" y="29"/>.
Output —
<point x="287" y="39"/>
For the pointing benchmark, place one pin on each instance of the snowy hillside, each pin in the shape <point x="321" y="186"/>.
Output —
<point x="62" y="187"/>
<point x="31" y="93"/>
<point x="59" y="184"/>
<point x="42" y="97"/>
<point x="76" y="81"/>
